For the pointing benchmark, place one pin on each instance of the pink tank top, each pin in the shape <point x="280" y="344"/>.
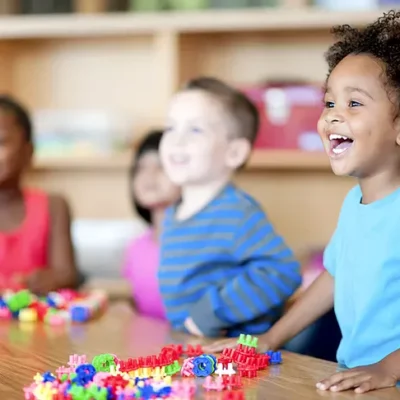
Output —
<point x="140" y="269"/>
<point x="24" y="250"/>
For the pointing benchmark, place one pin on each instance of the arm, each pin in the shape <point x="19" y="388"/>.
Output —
<point x="270" y="275"/>
<point x="61" y="271"/>
<point x="315" y="302"/>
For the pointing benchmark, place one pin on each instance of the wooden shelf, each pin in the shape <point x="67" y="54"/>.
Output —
<point x="274" y="19"/>
<point x="260" y="160"/>
<point x="111" y="162"/>
<point x="288" y="160"/>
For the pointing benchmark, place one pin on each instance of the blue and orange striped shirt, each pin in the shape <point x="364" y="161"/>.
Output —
<point x="225" y="267"/>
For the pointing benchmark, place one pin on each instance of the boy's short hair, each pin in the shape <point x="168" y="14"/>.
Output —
<point x="240" y="109"/>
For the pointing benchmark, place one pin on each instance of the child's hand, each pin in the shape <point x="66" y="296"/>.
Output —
<point x="42" y="281"/>
<point x="362" y="379"/>
<point x="220" y="345"/>
<point x="192" y="327"/>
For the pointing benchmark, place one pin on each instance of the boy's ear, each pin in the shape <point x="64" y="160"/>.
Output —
<point x="238" y="152"/>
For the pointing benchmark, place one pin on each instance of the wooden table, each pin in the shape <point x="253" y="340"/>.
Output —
<point x="27" y="349"/>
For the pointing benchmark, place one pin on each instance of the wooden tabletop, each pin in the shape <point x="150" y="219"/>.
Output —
<point x="27" y="349"/>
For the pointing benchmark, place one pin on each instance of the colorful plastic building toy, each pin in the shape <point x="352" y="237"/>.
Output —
<point x="107" y="377"/>
<point x="58" y="308"/>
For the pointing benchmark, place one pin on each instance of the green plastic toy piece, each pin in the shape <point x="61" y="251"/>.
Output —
<point x="64" y="377"/>
<point x="103" y="362"/>
<point x="77" y="392"/>
<point x="172" y="369"/>
<point x="248" y="340"/>
<point x="72" y="376"/>
<point x="95" y="393"/>
<point x="19" y="300"/>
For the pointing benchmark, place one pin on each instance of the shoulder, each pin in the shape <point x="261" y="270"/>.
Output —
<point x="350" y="202"/>
<point x="353" y="196"/>
<point x="58" y="204"/>
<point x="242" y="202"/>
<point x="141" y="241"/>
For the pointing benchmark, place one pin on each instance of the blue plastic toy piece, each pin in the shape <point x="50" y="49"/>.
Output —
<point x="50" y="302"/>
<point x="204" y="366"/>
<point x="48" y="377"/>
<point x="275" y="357"/>
<point x="79" y="314"/>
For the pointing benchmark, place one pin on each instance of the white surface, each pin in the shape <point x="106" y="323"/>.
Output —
<point x="100" y="245"/>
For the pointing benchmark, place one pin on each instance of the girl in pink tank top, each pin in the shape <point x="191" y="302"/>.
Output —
<point x="151" y="192"/>
<point x="35" y="243"/>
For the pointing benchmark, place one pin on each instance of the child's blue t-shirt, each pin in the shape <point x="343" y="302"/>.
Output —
<point x="363" y="256"/>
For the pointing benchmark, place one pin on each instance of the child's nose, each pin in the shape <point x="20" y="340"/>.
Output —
<point x="334" y="117"/>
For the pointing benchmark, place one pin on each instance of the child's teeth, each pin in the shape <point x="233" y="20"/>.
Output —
<point x="338" y="151"/>
<point x="335" y="136"/>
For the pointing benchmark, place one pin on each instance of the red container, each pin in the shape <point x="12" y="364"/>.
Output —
<point x="288" y="116"/>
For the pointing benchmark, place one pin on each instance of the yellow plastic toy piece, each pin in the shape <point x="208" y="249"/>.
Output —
<point x="28" y="315"/>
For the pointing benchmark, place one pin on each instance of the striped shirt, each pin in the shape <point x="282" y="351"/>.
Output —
<point x="225" y="267"/>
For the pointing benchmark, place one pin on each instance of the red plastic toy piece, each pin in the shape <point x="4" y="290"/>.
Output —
<point x="233" y="382"/>
<point x="228" y="353"/>
<point x="171" y="352"/>
<point x="233" y="395"/>
<point x="248" y="370"/>
<point x="194" y="351"/>
<point x="128" y="365"/>
<point x="115" y="382"/>
<point x="262" y="361"/>
<point x="224" y="360"/>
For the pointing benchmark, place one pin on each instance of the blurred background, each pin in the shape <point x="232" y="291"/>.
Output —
<point x="97" y="74"/>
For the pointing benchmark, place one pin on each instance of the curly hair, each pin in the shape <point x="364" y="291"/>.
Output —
<point x="380" y="39"/>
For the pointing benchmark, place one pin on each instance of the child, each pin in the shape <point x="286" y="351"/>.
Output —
<point x="35" y="242"/>
<point x="360" y="128"/>
<point x="223" y="268"/>
<point x="151" y="193"/>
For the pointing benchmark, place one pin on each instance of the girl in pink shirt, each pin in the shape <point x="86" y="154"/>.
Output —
<point x="151" y="193"/>
<point x="35" y="242"/>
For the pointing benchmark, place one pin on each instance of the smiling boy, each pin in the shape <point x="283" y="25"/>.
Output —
<point x="223" y="267"/>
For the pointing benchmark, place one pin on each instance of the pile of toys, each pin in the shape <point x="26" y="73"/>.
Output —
<point x="57" y="308"/>
<point x="108" y="378"/>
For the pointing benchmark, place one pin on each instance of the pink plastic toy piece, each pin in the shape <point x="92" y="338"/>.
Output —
<point x="217" y="384"/>
<point x="5" y="313"/>
<point x="187" y="367"/>
<point x="56" y="320"/>
<point x="28" y="392"/>
<point x="63" y="370"/>
<point x="100" y="376"/>
<point x="184" y="389"/>
<point x="75" y="360"/>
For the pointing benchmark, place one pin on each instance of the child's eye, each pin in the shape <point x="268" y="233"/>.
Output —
<point x="354" y="104"/>
<point x="329" y="104"/>
<point x="194" y="129"/>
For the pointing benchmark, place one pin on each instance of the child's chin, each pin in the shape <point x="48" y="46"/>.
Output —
<point x="341" y="170"/>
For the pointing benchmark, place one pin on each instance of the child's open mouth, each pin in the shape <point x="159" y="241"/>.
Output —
<point x="340" y="143"/>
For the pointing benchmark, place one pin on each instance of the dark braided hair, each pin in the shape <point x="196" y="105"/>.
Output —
<point x="380" y="39"/>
